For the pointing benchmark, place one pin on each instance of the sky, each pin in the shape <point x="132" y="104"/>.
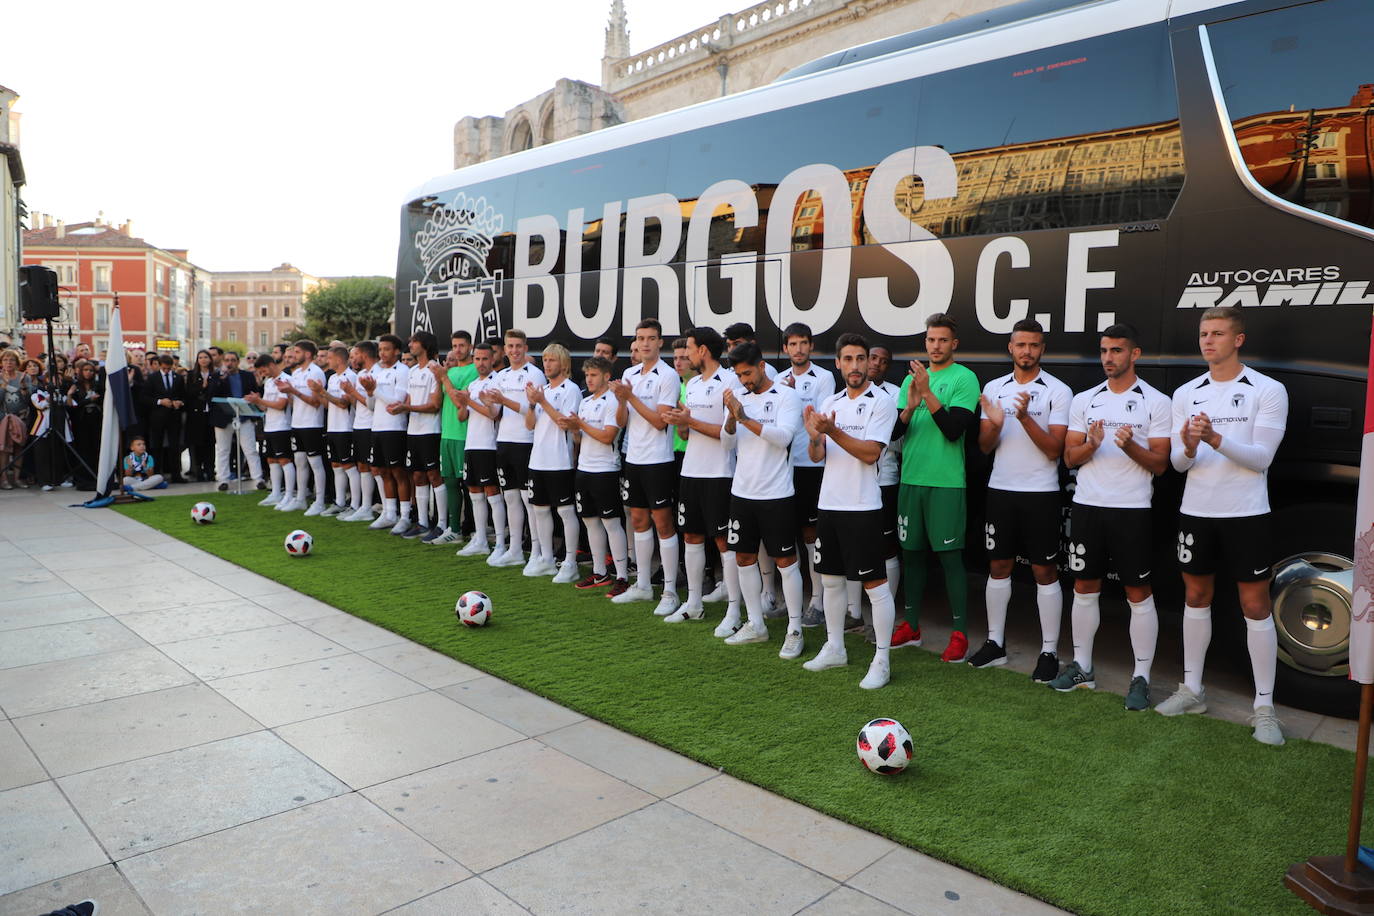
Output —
<point x="257" y="133"/>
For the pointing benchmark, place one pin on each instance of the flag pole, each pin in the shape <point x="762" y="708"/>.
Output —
<point x="1352" y="841"/>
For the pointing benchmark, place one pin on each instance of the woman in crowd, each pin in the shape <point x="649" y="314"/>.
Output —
<point x="15" y="389"/>
<point x="37" y="375"/>
<point x="85" y="399"/>
<point x="199" y="431"/>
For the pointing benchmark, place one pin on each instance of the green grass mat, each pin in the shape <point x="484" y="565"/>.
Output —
<point x="1067" y="798"/>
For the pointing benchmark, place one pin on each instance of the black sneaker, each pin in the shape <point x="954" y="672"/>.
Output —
<point x="431" y="534"/>
<point x="1138" y="696"/>
<point x="223" y="487"/>
<point x="991" y="655"/>
<point x="1046" y="668"/>
<point x="413" y="532"/>
<point x="262" y="485"/>
<point x="853" y="624"/>
<point x="84" y="908"/>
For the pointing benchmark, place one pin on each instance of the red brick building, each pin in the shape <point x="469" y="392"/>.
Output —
<point x="164" y="299"/>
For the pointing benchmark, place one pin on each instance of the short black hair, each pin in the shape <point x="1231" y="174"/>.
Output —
<point x="740" y="330"/>
<point x="461" y="334"/>
<point x="234" y="353"/>
<point x="392" y="339"/>
<point x="850" y="339"/>
<point x="426" y="340"/>
<point x="308" y="346"/>
<point x="484" y="345"/>
<point x="943" y="320"/>
<point x="369" y="347"/>
<point x="747" y="352"/>
<point x="610" y="342"/>
<point x="797" y="329"/>
<point x="650" y="324"/>
<point x="265" y="360"/>
<point x="710" y="339"/>
<point x="1123" y="331"/>
<point x="1030" y="325"/>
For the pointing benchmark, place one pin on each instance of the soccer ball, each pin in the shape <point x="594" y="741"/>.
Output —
<point x="884" y="746"/>
<point x="473" y="609"/>
<point x="298" y="543"/>
<point x="203" y="513"/>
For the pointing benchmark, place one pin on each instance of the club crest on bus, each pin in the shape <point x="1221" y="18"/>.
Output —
<point x="453" y="246"/>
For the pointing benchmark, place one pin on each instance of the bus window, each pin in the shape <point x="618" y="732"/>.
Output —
<point x="1076" y="135"/>
<point x="1299" y="86"/>
<point x="811" y="153"/>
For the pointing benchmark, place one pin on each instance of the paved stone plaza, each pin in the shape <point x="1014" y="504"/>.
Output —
<point x="182" y="736"/>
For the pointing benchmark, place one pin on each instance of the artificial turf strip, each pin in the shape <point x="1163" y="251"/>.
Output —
<point x="1068" y="798"/>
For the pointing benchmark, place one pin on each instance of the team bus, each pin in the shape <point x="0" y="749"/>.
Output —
<point x="1081" y="162"/>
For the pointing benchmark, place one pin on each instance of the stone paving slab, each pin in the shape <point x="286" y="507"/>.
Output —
<point x="206" y="743"/>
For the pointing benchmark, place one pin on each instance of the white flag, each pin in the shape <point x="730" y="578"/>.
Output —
<point x="1362" y="592"/>
<point x="118" y="407"/>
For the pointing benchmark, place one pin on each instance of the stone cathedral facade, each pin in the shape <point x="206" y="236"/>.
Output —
<point x="736" y="52"/>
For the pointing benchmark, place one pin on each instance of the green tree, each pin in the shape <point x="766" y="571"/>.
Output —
<point x="351" y="308"/>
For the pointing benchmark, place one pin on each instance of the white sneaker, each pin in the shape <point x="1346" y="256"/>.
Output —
<point x="361" y="515"/>
<point x="401" y="527"/>
<point x="830" y="656"/>
<point x="334" y="509"/>
<point x="770" y="601"/>
<point x="497" y="553"/>
<point x="726" y="627"/>
<point x="538" y="566"/>
<point x="448" y="537"/>
<point x="567" y="572"/>
<point x="1184" y="701"/>
<point x="879" y="673"/>
<point x="632" y="594"/>
<point x="668" y="604"/>
<point x="792" y="645"/>
<point x="748" y="633"/>
<point x="383" y="521"/>
<point x="271" y="500"/>
<point x="513" y="557"/>
<point x="689" y="611"/>
<point x="474" y="548"/>
<point x="315" y="509"/>
<point x="288" y="505"/>
<point x="1266" y="724"/>
<point x="716" y="594"/>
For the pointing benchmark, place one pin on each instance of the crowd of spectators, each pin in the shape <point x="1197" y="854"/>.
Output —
<point x="173" y="414"/>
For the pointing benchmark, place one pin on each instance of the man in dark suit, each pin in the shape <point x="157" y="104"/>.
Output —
<point x="164" y="394"/>
<point x="233" y="382"/>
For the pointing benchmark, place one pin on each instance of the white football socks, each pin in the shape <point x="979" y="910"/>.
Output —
<point x="390" y="507"/>
<point x="404" y="512"/>
<point x="620" y="547"/>
<point x="1263" y="642"/>
<point x="541" y="529"/>
<point x="833" y="601"/>
<point x="440" y="506"/>
<point x="340" y="486"/>
<point x="644" y="558"/>
<point x="274" y="471"/>
<point x="751" y="586"/>
<point x="894" y="573"/>
<point x="1050" y="600"/>
<point x="695" y="557"/>
<point x="515" y="518"/>
<point x="729" y="567"/>
<point x="481" y="512"/>
<point x="1144" y="635"/>
<point x="792" y="594"/>
<point x="497" y="504"/>
<point x="854" y="598"/>
<point x="317" y="474"/>
<point x="598" y="544"/>
<point x="1084" y="620"/>
<point x="568" y="514"/>
<point x="668" y="555"/>
<point x="355" y="489"/>
<point x="366" y="483"/>
<point x="422" y="505"/>
<point x="288" y="472"/>
<point x="1197" y="635"/>
<point x="997" y="595"/>
<point x="884" y="617"/>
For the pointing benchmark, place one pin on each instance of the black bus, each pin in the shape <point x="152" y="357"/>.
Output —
<point x="1081" y="162"/>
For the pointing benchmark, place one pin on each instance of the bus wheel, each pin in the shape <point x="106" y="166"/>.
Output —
<point x="1311" y="593"/>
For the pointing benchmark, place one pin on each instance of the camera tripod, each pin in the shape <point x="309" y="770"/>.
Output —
<point x="57" y="422"/>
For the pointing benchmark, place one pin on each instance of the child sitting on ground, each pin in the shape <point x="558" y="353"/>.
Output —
<point x="138" y="468"/>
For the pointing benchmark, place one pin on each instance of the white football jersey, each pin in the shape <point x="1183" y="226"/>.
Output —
<point x="705" y="456"/>
<point x="1018" y="465"/>
<point x="762" y="467"/>
<point x="362" y="413"/>
<point x="421" y="384"/>
<point x="339" y="419"/>
<point x="391" y="389"/>
<point x="658" y="386"/>
<point x="813" y="387"/>
<point x="890" y="465"/>
<point x="511" y="382"/>
<point x="598" y="412"/>
<point x="1218" y="487"/>
<point x="552" y="450"/>
<point x="1110" y="478"/>
<point x="303" y="416"/>
<point x="481" y="430"/>
<point x="848" y="484"/>
<point x="277" y="420"/>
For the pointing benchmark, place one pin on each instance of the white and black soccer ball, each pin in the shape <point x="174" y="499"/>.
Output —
<point x="299" y="543"/>
<point x="473" y="609"/>
<point x="203" y="513"/>
<point x="884" y="746"/>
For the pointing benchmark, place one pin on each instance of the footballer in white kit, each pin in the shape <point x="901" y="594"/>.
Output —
<point x="479" y="459"/>
<point x="646" y="392"/>
<point x="1227" y="426"/>
<point x="551" y="466"/>
<point x="276" y="430"/>
<point x="302" y="385"/>
<point x="386" y="386"/>
<point x="851" y="430"/>
<point x="1025" y="419"/>
<point x="514" y="440"/>
<point x="422" y="407"/>
<point x="1118" y="439"/>
<point x="596" y="428"/>
<point x="338" y="433"/>
<point x="761" y="424"/>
